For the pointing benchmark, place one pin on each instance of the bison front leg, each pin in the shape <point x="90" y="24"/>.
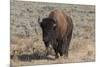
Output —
<point x="63" y="47"/>
<point x="47" y="48"/>
<point x="56" y="53"/>
<point x="55" y="45"/>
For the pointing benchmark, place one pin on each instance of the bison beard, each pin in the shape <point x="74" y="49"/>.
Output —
<point x="57" y="31"/>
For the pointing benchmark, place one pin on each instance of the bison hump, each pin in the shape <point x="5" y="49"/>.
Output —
<point x="61" y="22"/>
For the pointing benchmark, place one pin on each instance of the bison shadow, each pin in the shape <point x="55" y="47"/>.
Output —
<point x="34" y="56"/>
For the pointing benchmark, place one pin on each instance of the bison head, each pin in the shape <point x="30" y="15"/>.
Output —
<point x="48" y="26"/>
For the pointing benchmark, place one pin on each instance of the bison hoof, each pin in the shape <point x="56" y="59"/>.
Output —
<point x="56" y="56"/>
<point x="47" y="53"/>
<point x="66" y="56"/>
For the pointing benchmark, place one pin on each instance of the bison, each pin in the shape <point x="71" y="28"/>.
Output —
<point x="57" y="30"/>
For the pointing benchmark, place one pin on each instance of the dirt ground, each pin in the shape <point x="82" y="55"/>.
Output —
<point x="26" y="34"/>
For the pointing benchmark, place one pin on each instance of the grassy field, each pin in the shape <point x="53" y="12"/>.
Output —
<point x="26" y="34"/>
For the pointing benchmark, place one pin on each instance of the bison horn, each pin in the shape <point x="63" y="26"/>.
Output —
<point x="39" y="20"/>
<point x="54" y="25"/>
